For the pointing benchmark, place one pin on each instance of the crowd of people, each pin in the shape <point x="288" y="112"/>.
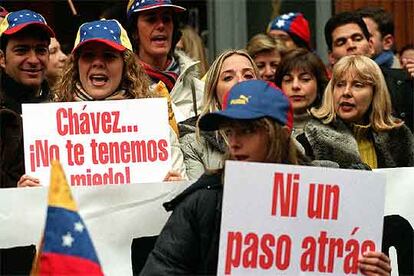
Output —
<point x="355" y="112"/>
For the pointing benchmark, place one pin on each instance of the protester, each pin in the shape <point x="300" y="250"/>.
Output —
<point x="56" y="62"/>
<point x="102" y="66"/>
<point x="354" y="123"/>
<point x="153" y="28"/>
<point x="266" y="52"/>
<point x="292" y="28"/>
<point x="380" y="24"/>
<point x="204" y="150"/>
<point x="303" y="77"/>
<point x="256" y="122"/>
<point x="24" y="42"/>
<point x="346" y="33"/>
<point x="192" y="44"/>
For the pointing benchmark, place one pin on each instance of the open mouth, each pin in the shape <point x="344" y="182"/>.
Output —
<point x="346" y="106"/>
<point x="31" y="70"/>
<point x="159" y="38"/>
<point x="98" y="79"/>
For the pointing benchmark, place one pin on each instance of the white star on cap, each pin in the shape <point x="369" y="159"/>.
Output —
<point x="79" y="226"/>
<point x="280" y="23"/>
<point x="97" y="25"/>
<point x="67" y="240"/>
<point x="285" y="16"/>
<point x="105" y="28"/>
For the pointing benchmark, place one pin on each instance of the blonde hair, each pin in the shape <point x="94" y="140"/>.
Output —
<point x="211" y="102"/>
<point x="134" y="79"/>
<point x="193" y="46"/>
<point x="265" y="43"/>
<point x="367" y="71"/>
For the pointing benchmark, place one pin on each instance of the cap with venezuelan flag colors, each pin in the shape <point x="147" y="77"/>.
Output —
<point x="109" y="32"/>
<point x="18" y="20"/>
<point x="144" y="5"/>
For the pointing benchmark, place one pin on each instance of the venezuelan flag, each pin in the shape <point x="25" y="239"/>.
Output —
<point x="66" y="248"/>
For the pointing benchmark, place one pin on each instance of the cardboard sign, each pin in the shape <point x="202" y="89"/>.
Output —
<point x="295" y="220"/>
<point x="98" y="143"/>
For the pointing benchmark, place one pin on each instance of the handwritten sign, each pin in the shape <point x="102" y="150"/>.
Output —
<point x="98" y="143"/>
<point x="294" y="220"/>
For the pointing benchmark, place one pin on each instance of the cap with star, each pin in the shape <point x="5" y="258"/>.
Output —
<point x="109" y="32"/>
<point x="135" y="6"/>
<point x="18" y="20"/>
<point x="294" y="24"/>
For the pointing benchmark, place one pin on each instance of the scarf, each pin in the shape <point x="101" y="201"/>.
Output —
<point x="169" y="76"/>
<point x="385" y="58"/>
<point x="81" y="95"/>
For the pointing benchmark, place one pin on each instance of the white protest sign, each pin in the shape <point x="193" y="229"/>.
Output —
<point x="295" y="220"/>
<point x="101" y="142"/>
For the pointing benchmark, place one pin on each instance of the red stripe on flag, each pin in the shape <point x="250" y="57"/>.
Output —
<point x="59" y="264"/>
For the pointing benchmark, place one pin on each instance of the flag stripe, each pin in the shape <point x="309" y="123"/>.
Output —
<point x="69" y="265"/>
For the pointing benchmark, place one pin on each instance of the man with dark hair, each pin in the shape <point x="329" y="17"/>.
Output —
<point x="24" y="42"/>
<point x="347" y="34"/>
<point x="381" y="27"/>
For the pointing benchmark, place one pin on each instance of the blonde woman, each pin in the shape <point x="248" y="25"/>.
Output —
<point x="354" y="123"/>
<point x="267" y="53"/>
<point x="204" y="151"/>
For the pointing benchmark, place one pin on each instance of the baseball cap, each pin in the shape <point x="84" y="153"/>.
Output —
<point x="18" y="20"/>
<point x="251" y="99"/>
<point x="144" y="5"/>
<point x="109" y="32"/>
<point x="295" y="25"/>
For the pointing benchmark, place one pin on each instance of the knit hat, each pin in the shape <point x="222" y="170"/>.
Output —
<point x="109" y="32"/>
<point x="251" y="99"/>
<point x="18" y="20"/>
<point x="295" y="25"/>
<point x="144" y="5"/>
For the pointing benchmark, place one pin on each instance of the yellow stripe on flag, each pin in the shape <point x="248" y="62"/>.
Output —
<point x="59" y="190"/>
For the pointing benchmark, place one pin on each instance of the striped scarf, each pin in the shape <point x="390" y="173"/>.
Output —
<point x="81" y="95"/>
<point x="169" y="76"/>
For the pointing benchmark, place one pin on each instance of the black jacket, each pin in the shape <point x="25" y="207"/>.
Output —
<point x="401" y="88"/>
<point x="12" y="95"/>
<point x="188" y="243"/>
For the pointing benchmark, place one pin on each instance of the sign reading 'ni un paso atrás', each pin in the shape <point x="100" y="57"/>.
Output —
<point x="295" y="220"/>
